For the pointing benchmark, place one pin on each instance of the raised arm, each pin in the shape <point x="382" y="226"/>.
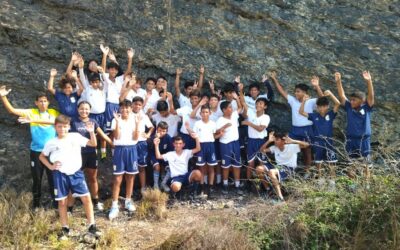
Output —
<point x="50" y="84"/>
<point x="212" y="87"/>
<point x="302" y="144"/>
<point x="267" y="84"/>
<point x="177" y="82"/>
<point x="93" y="140"/>
<point x="239" y="103"/>
<point x="81" y="86"/>
<point x="342" y="95"/>
<point x="156" y="147"/>
<point x="196" y="109"/>
<point x="130" y="53"/>
<point x="3" y="93"/>
<point x="315" y="84"/>
<point x="265" y="147"/>
<point x="336" y="102"/>
<point x="201" y="77"/>
<point x="105" y="51"/>
<point x="170" y="101"/>
<point x="242" y="100"/>
<point x="278" y="86"/>
<point x="371" y="95"/>
<point x="301" y="110"/>
<point x="128" y="84"/>
<point x="72" y="62"/>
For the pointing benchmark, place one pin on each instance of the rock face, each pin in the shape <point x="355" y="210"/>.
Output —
<point x="246" y="37"/>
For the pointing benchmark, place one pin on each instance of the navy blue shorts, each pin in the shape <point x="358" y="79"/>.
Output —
<point x="154" y="161"/>
<point x="89" y="160"/>
<point x="302" y="133"/>
<point x="64" y="184"/>
<point x="100" y="119"/>
<point x="125" y="160"/>
<point x="358" y="147"/>
<point x="324" y="150"/>
<point x="230" y="154"/>
<point x="142" y="152"/>
<point x="253" y="149"/>
<point x="217" y="150"/>
<point x="284" y="172"/>
<point x="183" y="179"/>
<point x="109" y="114"/>
<point x="190" y="143"/>
<point x="206" y="155"/>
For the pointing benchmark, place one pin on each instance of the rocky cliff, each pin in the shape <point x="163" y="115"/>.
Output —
<point x="246" y="37"/>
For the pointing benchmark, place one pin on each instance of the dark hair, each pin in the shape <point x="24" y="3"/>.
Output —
<point x="40" y="95"/>
<point x="229" y="87"/>
<point x="254" y="85"/>
<point x="205" y="106"/>
<point x="161" y="77"/>
<point x="205" y="95"/>
<point x="215" y="96"/>
<point x="93" y="77"/>
<point x="66" y="80"/>
<point x="302" y="86"/>
<point x="162" y="106"/>
<point x="188" y="84"/>
<point x="63" y="119"/>
<point x="262" y="99"/>
<point x="113" y="65"/>
<point x="161" y="92"/>
<point x="358" y="94"/>
<point x="125" y="103"/>
<point x="280" y="135"/>
<point x="323" y="101"/>
<point x="137" y="99"/>
<point x="195" y="92"/>
<point x="84" y="102"/>
<point x="224" y="105"/>
<point x="151" y="79"/>
<point x="86" y="70"/>
<point x="162" y="125"/>
<point x="178" y="138"/>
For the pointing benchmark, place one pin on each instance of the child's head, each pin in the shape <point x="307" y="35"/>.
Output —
<point x="179" y="144"/>
<point x="357" y="99"/>
<point x="261" y="104"/>
<point x="138" y="84"/>
<point x="214" y="100"/>
<point x="150" y="83"/>
<point x="300" y="90"/>
<point x="94" y="79"/>
<point x="188" y="88"/>
<point x="84" y="109"/>
<point x="125" y="108"/>
<point x="226" y="108"/>
<point x="322" y="105"/>
<point x="92" y="65"/>
<point x="162" y="129"/>
<point x="161" y="83"/>
<point x="42" y="102"/>
<point x="67" y="85"/>
<point x="228" y="91"/>
<point x="205" y="112"/>
<point x="206" y="97"/>
<point x="280" y="139"/>
<point x="162" y="108"/>
<point x="113" y="69"/>
<point x="195" y="97"/>
<point x="137" y="104"/>
<point x="62" y="125"/>
<point x="254" y="90"/>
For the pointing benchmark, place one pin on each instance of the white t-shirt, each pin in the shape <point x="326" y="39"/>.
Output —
<point x="178" y="164"/>
<point x="185" y="112"/>
<point x="257" y="120"/>
<point x="126" y="128"/>
<point x="233" y="103"/>
<point x="287" y="157"/>
<point x="297" y="119"/>
<point x="67" y="151"/>
<point x="214" y="116"/>
<point x="144" y="123"/>
<point x="251" y="103"/>
<point x="232" y="132"/>
<point x="151" y="102"/>
<point x="96" y="98"/>
<point x="171" y="120"/>
<point x="205" y="131"/>
<point x="113" y="88"/>
<point x="184" y="101"/>
<point x="132" y="94"/>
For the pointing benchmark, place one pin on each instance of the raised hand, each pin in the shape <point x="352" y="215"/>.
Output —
<point x="264" y="78"/>
<point x="179" y="71"/>
<point x="237" y="79"/>
<point x="105" y="50"/>
<point x="273" y="74"/>
<point x="288" y="140"/>
<point x="203" y="101"/>
<point x="53" y="72"/>
<point x="234" y="95"/>
<point x="75" y="57"/>
<point x="202" y="69"/>
<point x="196" y="84"/>
<point x="315" y="81"/>
<point x="194" y="135"/>
<point x="338" y="76"/>
<point x="212" y="85"/>
<point x="271" y="136"/>
<point x="327" y="93"/>
<point x="81" y="62"/>
<point x="112" y="56"/>
<point x="117" y="116"/>
<point x="24" y="120"/>
<point x="241" y="87"/>
<point x="4" y="91"/>
<point x="100" y="69"/>
<point x="366" y="75"/>
<point x="130" y="53"/>
<point x="74" y="74"/>
<point x="89" y="127"/>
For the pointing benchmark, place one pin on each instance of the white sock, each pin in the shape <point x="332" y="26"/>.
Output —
<point x="127" y="201"/>
<point x="237" y="184"/>
<point x="114" y="204"/>
<point x="156" y="177"/>
<point x="218" y="178"/>
<point x="166" y="177"/>
<point x="205" y="179"/>
<point x="225" y="182"/>
<point x="103" y="150"/>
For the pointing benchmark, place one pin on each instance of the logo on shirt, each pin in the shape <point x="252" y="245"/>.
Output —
<point x="165" y="146"/>
<point x="327" y="118"/>
<point x="72" y="99"/>
<point x="362" y="112"/>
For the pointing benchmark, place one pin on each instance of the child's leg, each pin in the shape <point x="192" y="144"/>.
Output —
<point x="196" y="176"/>
<point x="218" y="172"/>
<point x="116" y="187"/>
<point x="225" y="175"/>
<point x="332" y="170"/>
<point x="130" y="181"/>
<point x="210" y="174"/>
<point x="318" y="165"/>
<point x="91" y="175"/>
<point x="250" y="168"/>
<point x="103" y="148"/>
<point x="62" y="210"/>
<point x="156" y="175"/>
<point x="260" y="170"/>
<point x="142" y="176"/>
<point x="203" y="170"/>
<point x="236" y="176"/>
<point x="88" y="206"/>
<point x="36" y="173"/>
<point x="307" y="158"/>
<point x="176" y="187"/>
<point x="273" y="175"/>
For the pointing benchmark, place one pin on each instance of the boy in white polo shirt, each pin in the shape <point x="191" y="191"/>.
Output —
<point x="65" y="160"/>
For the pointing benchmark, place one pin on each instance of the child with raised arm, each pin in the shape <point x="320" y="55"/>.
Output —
<point x="164" y="115"/>
<point x="63" y="155"/>
<point x="184" y="98"/>
<point x="323" y="132"/>
<point x="125" y="128"/>
<point x="41" y="133"/>
<point x="254" y="93"/>
<point x="301" y="126"/>
<point x="67" y="98"/>
<point x="285" y="151"/>
<point x="358" y="110"/>
<point x="178" y="161"/>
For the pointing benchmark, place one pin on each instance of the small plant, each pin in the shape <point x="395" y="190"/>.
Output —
<point x="153" y="205"/>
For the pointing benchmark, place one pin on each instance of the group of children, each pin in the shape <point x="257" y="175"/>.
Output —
<point x="200" y="142"/>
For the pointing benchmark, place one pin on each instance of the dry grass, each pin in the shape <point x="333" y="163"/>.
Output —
<point x="153" y="205"/>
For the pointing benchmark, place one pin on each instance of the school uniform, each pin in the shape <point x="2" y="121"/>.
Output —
<point x="178" y="165"/>
<point x="112" y="100"/>
<point x="286" y="160"/>
<point x="256" y="138"/>
<point x="171" y="120"/>
<point x="205" y="133"/>
<point x="142" y="149"/>
<point x="68" y="105"/>
<point x="301" y="126"/>
<point x="184" y="101"/>
<point x="165" y="146"/>
<point x="229" y="141"/>
<point x="184" y="113"/>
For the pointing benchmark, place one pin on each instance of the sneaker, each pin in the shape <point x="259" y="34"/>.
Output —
<point x="165" y="187"/>
<point x="239" y="191"/>
<point x="100" y="206"/>
<point x="130" y="206"/>
<point x="210" y="192"/>
<point x="113" y="213"/>
<point x="93" y="230"/>
<point x="225" y="189"/>
<point x="64" y="233"/>
<point x="201" y="196"/>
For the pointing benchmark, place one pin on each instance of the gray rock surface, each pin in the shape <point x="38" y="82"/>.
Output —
<point x="246" y="37"/>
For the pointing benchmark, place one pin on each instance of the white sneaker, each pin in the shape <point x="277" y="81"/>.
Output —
<point x="130" y="206"/>
<point x="165" y="187"/>
<point x="100" y="206"/>
<point x="113" y="213"/>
